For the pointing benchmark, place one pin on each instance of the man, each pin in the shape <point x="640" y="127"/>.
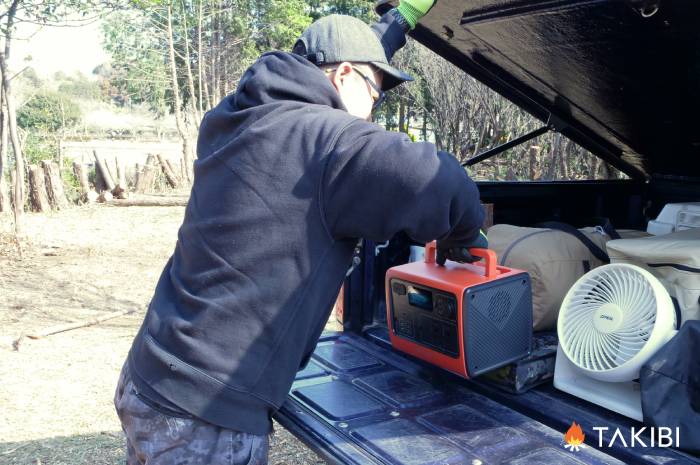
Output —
<point x="290" y="174"/>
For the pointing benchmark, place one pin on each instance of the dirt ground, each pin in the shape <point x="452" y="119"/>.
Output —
<point x="56" y="392"/>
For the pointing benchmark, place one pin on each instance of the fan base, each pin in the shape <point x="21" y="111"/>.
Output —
<point x="624" y="398"/>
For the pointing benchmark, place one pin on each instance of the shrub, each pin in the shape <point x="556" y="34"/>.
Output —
<point x="48" y="112"/>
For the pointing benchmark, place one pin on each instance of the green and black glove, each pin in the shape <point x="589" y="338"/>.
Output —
<point x="458" y="251"/>
<point x="414" y="10"/>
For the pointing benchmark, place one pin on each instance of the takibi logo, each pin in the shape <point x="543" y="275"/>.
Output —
<point x="574" y="438"/>
<point x="662" y="436"/>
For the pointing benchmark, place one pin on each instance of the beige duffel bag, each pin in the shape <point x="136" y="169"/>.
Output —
<point x="554" y="258"/>
<point x="673" y="258"/>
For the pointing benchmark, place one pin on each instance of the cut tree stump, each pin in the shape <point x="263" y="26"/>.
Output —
<point x="147" y="176"/>
<point x="54" y="185"/>
<point x="38" y="199"/>
<point x="101" y="166"/>
<point x="169" y="175"/>
<point x="82" y="177"/>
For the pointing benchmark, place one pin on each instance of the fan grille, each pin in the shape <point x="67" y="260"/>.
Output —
<point x="631" y="295"/>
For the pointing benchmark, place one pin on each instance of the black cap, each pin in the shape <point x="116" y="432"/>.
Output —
<point x="339" y="38"/>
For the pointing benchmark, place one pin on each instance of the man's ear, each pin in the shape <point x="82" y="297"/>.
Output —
<point x="343" y="70"/>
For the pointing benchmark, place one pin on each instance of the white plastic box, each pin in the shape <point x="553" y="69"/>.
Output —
<point x="675" y="217"/>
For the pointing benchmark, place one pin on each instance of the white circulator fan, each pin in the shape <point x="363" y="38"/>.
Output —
<point x="612" y="320"/>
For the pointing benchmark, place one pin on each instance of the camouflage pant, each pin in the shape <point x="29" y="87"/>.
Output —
<point x="155" y="438"/>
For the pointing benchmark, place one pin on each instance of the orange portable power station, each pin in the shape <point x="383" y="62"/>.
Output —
<point x="464" y="318"/>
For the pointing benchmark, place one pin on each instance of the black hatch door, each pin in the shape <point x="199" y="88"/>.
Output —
<point x="358" y="402"/>
<point x="621" y="76"/>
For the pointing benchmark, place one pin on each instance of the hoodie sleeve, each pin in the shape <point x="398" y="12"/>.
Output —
<point x="378" y="183"/>
<point x="391" y="31"/>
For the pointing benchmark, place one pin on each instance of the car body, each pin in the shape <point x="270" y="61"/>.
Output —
<point x="622" y="79"/>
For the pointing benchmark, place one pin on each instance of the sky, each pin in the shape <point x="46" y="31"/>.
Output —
<point x="67" y="49"/>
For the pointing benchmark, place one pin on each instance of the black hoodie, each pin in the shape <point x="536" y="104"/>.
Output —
<point x="285" y="183"/>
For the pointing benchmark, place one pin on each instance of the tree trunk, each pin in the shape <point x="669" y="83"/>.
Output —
<point x="18" y="197"/>
<point x="18" y="182"/>
<point x="200" y="75"/>
<point x="563" y="165"/>
<point x="534" y="162"/>
<point x="179" y="121"/>
<point x="38" y="199"/>
<point x="169" y="175"/>
<point x="593" y="171"/>
<point x="605" y="171"/>
<point x="4" y="193"/>
<point x="402" y="113"/>
<point x="103" y="169"/>
<point x="482" y="138"/>
<point x="188" y="69"/>
<point x="60" y="158"/>
<point x="553" y="158"/>
<point x="54" y="185"/>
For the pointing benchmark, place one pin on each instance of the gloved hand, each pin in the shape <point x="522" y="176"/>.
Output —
<point x="414" y="10"/>
<point x="458" y="251"/>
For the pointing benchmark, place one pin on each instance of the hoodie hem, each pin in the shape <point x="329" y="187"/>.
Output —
<point x="197" y="393"/>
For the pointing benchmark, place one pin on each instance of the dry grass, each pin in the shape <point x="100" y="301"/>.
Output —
<point x="56" y="393"/>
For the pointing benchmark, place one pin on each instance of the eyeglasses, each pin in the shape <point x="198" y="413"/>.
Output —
<point x="380" y="93"/>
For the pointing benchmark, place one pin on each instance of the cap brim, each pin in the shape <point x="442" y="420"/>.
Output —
<point x="392" y="77"/>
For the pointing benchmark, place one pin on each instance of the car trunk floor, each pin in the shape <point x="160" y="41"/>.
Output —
<point x="358" y="402"/>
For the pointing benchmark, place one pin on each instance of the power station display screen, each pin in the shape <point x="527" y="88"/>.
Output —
<point x="426" y="316"/>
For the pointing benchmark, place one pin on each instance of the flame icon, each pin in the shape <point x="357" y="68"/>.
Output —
<point x="574" y="437"/>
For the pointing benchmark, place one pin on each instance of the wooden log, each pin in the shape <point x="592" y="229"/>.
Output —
<point x="38" y="199"/>
<point x="137" y="173"/>
<point x="169" y="175"/>
<point x="147" y="176"/>
<point x="101" y="166"/>
<point x="112" y="169"/>
<point x="183" y="168"/>
<point x="82" y="177"/>
<point x="81" y="324"/>
<point x="175" y="168"/>
<point x="100" y="183"/>
<point x="121" y="175"/>
<point x="105" y="196"/>
<point x="162" y="202"/>
<point x="92" y="196"/>
<point x="54" y="185"/>
<point x="120" y="189"/>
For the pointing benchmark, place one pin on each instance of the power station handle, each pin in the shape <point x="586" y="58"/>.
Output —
<point x="489" y="256"/>
<point x="490" y="260"/>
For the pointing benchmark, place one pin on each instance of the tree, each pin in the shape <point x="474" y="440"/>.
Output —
<point x="183" y="56"/>
<point x="41" y="12"/>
